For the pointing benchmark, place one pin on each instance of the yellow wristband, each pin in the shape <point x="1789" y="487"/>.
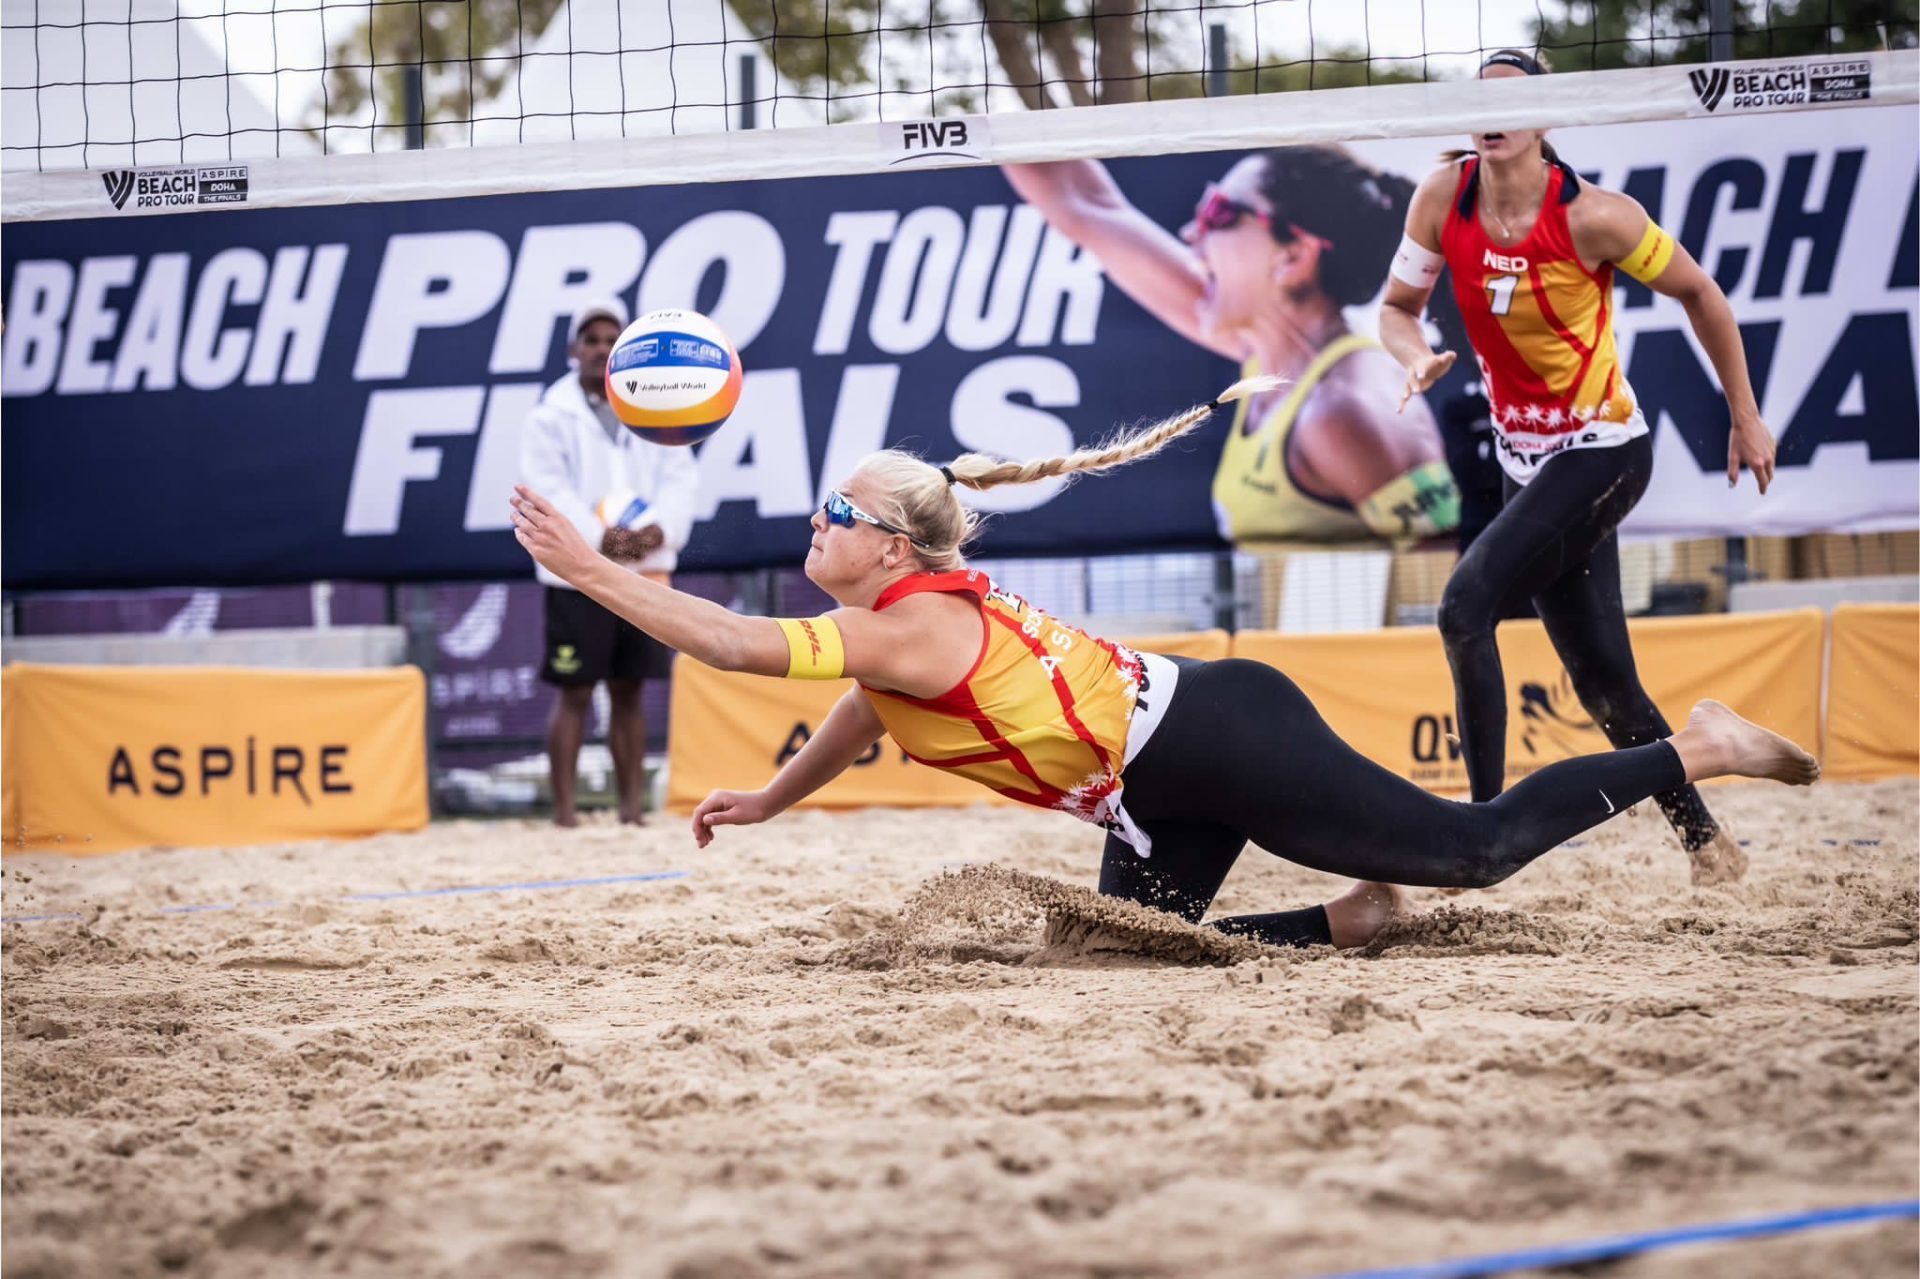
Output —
<point x="1423" y="502"/>
<point x="1649" y="257"/>
<point x="814" y="648"/>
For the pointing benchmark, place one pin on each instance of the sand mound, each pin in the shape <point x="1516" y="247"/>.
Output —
<point x="1010" y="916"/>
<point x="1471" y="930"/>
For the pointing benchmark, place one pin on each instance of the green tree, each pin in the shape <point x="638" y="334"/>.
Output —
<point x="1589" y="35"/>
<point x="467" y="49"/>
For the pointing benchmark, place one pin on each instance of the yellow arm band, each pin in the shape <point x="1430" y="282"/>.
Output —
<point x="814" y="648"/>
<point x="1423" y="502"/>
<point x="1649" y="257"/>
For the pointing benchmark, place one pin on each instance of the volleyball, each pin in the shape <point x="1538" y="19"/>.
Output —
<point x="621" y="510"/>
<point x="673" y="377"/>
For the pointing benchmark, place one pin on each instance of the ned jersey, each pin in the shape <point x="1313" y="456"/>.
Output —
<point x="1041" y="718"/>
<point x="1542" y="329"/>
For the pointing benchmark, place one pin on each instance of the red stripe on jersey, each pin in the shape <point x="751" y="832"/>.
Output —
<point x="1552" y="317"/>
<point x="1060" y="688"/>
<point x="1008" y="751"/>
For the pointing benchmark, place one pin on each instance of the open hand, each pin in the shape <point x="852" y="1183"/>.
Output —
<point x="549" y="536"/>
<point x="1424" y="374"/>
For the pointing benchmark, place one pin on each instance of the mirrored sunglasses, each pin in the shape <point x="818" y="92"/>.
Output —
<point x="840" y="511"/>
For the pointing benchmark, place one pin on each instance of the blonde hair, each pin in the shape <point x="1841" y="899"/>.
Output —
<point x="914" y="495"/>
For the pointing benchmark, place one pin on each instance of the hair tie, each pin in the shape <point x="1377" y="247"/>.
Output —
<point x="947" y="472"/>
<point x="1213" y="406"/>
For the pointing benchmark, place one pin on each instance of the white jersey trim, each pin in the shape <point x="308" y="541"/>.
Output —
<point x="1156" y="695"/>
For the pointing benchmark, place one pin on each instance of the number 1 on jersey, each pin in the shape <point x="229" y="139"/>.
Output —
<point x="1500" y="292"/>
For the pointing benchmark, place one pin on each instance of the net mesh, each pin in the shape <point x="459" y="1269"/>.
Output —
<point x="100" y="83"/>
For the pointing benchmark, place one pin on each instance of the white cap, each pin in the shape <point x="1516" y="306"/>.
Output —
<point x="598" y="309"/>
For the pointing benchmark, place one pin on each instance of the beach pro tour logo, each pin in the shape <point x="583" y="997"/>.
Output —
<point x="119" y="183"/>
<point x="1773" y="86"/>
<point x="1710" y="85"/>
<point x="936" y="141"/>
<point x="176" y="188"/>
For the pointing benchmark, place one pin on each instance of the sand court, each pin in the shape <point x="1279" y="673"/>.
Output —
<point x="901" y="1043"/>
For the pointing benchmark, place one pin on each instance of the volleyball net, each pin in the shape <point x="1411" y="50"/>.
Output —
<point x="112" y="83"/>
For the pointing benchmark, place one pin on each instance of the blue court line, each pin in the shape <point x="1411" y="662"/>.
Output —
<point x="1626" y="1245"/>
<point x="535" y="885"/>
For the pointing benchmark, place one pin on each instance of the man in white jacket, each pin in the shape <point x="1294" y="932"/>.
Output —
<point x="576" y="453"/>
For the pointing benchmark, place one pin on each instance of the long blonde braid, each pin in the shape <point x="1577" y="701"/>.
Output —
<point x="980" y="471"/>
<point x="918" y="496"/>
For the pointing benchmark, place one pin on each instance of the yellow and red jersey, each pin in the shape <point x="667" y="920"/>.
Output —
<point x="1041" y="718"/>
<point x="1542" y="329"/>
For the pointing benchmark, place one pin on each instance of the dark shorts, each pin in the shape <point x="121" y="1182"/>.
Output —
<point x="587" y="644"/>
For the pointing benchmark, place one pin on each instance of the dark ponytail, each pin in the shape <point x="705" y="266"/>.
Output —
<point x="1326" y="191"/>
<point x="1358" y="210"/>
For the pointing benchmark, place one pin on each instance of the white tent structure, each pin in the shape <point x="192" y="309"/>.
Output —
<point x="680" y="73"/>
<point x="139" y="82"/>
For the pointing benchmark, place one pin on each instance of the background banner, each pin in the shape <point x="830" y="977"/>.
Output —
<point x="350" y="381"/>
<point x="104" y="758"/>
<point x="1873" y="692"/>
<point x="1389" y="693"/>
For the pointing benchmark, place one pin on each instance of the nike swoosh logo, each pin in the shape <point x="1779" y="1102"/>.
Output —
<point x="1603" y="795"/>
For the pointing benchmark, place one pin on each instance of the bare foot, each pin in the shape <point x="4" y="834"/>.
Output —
<point x="1744" y="749"/>
<point x="638" y="817"/>
<point x="568" y="819"/>
<point x="1720" y="862"/>
<point x="1363" y="910"/>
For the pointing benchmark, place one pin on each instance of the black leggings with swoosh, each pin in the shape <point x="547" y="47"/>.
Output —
<point x="1554" y="543"/>
<point x="1242" y="756"/>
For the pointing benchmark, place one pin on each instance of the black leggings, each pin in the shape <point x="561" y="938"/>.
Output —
<point x="1242" y="755"/>
<point x="1554" y="542"/>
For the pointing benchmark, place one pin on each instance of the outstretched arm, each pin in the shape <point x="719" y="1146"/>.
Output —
<point x="892" y="649"/>
<point x="699" y="628"/>
<point x="848" y="732"/>
<point x="1081" y="201"/>
<point x="1616" y="229"/>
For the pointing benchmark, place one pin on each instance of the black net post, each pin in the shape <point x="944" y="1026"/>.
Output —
<point x="1720" y="30"/>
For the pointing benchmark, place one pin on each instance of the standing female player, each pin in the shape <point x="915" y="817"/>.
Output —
<point x="1532" y="250"/>
<point x="973" y="680"/>
<point x="1275" y="249"/>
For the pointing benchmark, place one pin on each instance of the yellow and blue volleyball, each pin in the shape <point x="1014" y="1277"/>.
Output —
<point x="673" y="377"/>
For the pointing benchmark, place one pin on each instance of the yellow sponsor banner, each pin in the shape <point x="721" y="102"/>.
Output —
<point x="1873" y="692"/>
<point x="729" y="731"/>
<point x="1390" y="693"/>
<point x="101" y="758"/>
<point x="1205" y="645"/>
